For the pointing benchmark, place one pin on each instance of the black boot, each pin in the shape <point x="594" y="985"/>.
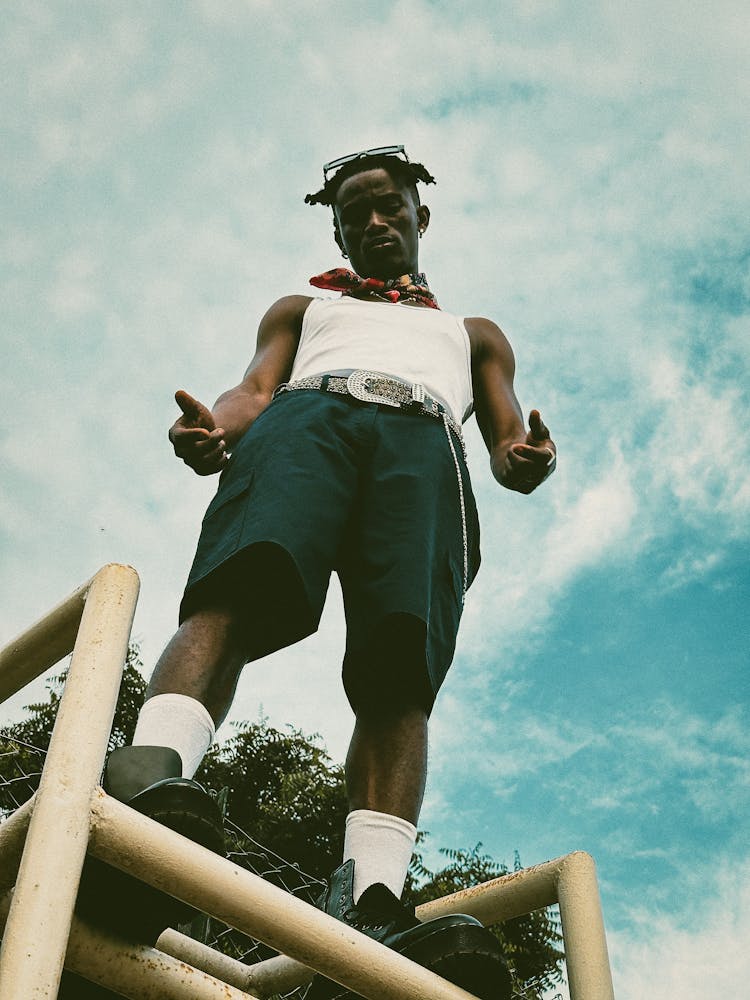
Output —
<point x="149" y="780"/>
<point x="456" y="947"/>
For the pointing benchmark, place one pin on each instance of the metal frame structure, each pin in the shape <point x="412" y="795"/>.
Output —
<point x="44" y="843"/>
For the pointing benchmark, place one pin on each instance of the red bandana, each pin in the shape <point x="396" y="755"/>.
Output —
<point x="408" y="286"/>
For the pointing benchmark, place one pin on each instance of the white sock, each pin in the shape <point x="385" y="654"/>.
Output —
<point x="179" y="722"/>
<point x="381" y="846"/>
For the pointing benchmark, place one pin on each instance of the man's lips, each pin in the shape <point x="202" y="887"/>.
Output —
<point x="379" y="241"/>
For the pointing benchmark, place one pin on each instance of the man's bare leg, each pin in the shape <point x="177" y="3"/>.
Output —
<point x="188" y="696"/>
<point x="203" y="660"/>
<point x="385" y="773"/>
<point x="386" y="766"/>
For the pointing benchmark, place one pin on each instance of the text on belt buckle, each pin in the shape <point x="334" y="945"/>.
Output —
<point x="361" y="385"/>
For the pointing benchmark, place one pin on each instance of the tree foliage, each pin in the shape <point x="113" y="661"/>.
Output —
<point x="284" y="789"/>
<point x="36" y="728"/>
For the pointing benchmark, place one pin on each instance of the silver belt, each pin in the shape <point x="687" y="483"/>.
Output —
<point x="374" y="387"/>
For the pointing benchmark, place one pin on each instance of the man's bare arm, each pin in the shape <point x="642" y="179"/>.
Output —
<point x="520" y="460"/>
<point x="202" y="438"/>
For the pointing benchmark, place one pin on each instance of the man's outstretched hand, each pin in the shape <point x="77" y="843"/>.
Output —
<point x="195" y="437"/>
<point x="528" y="463"/>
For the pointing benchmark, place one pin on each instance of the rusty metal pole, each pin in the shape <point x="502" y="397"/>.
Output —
<point x="571" y="879"/>
<point x="36" y="935"/>
<point x="134" y="970"/>
<point x="587" y="960"/>
<point x="41" y="645"/>
<point x="138" y="845"/>
<point x="59" y="830"/>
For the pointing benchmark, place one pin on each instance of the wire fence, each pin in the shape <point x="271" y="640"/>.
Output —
<point x="20" y="770"/>
<point x="246" y="852"/>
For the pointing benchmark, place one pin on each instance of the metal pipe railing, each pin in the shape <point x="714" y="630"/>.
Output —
<point x="135" y="971"/>
<point x="42" y="645"/>
<point x="569" y="880"/>
<point x="12" y="839"/>
<point x="138" y="845"/>
<point x="224" y="967"/>
<point x="587" y="959"/>
<point x="503" y="897"/>
<point x="70" y="813"/>
<point x="38" y="925"/>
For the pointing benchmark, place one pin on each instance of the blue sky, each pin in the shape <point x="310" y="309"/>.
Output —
<point x="592" y="185"/>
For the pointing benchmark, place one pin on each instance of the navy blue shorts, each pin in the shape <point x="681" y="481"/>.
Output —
<point x="322" y="483"/>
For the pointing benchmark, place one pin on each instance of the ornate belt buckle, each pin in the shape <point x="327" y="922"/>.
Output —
<point x="361" y="384"/>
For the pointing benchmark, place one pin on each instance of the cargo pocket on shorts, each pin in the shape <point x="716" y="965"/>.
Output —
<point x="224" y="519"/>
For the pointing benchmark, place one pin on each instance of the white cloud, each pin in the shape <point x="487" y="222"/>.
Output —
<point x="75" y="290"/>
<point x="695" y="951"/>
<point x="555" y="537"/>
<point x="685" y="767"/>
<point x="597" y="522"/>
<point x="693" y="451"/>
<point x="79" y="102"/>
<point x="689" y="568"/>
<point x="698" y="950"/>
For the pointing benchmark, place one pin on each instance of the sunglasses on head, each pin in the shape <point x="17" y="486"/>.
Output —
<point x="363" y="154"/>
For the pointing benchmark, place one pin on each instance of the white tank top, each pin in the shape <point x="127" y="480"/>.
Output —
<point x="413" y="343"/>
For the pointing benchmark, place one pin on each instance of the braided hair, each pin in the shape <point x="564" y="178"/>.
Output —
<point x="408" y="172"/>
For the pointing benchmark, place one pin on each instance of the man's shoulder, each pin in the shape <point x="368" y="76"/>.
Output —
<point x="485" y="336"/>
<point x="289" y="309"/>
<point x="291" y="304"/>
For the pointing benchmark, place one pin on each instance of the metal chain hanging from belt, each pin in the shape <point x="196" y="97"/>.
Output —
<point x="462" y="503"/>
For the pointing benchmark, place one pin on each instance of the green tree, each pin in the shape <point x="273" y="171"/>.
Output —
<point x="284" y="788"/>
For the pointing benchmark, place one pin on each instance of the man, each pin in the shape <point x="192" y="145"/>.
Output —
<point x="341" y="449"/>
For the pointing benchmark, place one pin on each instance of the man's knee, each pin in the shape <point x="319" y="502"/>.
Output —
<point x="260" y="596"/>
<point x="388" y="675"/>
<point x="393" y="697"/>
<point x="220" y="626"/>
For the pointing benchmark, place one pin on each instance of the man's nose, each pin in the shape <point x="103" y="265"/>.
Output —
<point x="375" y="220"/>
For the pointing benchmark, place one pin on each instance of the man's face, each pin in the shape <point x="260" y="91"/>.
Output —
<point x="378" y="224"/>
